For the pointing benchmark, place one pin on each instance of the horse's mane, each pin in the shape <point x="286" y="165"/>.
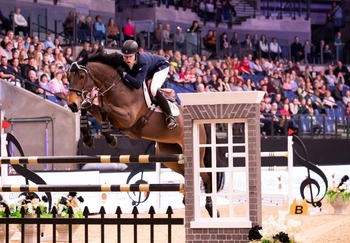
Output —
<point x="113" y="59"/>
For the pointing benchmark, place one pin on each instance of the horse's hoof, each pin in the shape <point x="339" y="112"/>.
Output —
<point x="209" y="208"/>
<point x="89" y="143"/>
<point x="114" y="143"/>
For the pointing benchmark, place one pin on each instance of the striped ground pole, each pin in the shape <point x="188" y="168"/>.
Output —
<point x="95" y="188"/>
<point x="176" y="158"/>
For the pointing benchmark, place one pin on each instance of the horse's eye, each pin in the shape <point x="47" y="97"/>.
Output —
<point x="81" y="76"/>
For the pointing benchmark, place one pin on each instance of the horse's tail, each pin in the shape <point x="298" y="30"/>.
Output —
<point x="220" y="161"/>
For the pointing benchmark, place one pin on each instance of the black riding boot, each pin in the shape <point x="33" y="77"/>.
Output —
<point x="163" y="104"/>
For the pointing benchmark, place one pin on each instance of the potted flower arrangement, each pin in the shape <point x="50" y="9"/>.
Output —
<point x="70" y="200"/>
<point x="62" y="206"/>
<point x="30" y="201"/>
<point x="26" y="206"/>
<point x="276" y="231"/>
<point x="339" y="196"/>
<point x="3" y="214"/>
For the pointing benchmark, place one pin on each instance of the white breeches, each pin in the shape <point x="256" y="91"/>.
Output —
<point x="158" y="80"/>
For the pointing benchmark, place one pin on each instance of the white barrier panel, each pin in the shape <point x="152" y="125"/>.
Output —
<point x="272" y="183"/>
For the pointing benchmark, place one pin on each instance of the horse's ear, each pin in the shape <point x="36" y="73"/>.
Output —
<point x="84" y="61"/>
<point x="69" y="61"/>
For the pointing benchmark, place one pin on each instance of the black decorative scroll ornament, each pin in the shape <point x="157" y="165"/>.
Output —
<point x="22" y="170"/>
<point x="308" y="182"/>
<point x="139" y="197"/>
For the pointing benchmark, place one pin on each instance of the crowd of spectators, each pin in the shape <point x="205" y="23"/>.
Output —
<point x="38" y="67"/>
<point x="289" y="91"/>
<point x="248" y="65"/>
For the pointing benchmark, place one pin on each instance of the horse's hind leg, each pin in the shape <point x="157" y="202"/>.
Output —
<point x="84" y="129"/>
<point x="112" y="140"/>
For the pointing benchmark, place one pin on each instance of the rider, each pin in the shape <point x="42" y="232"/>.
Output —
<point x="137" y="66"/>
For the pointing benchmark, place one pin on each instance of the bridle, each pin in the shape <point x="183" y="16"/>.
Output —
<point x="83" y="92"/>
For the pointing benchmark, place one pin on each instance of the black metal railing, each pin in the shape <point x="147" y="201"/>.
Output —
<point x="89" y="220"/>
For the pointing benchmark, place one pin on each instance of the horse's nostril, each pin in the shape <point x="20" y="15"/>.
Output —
<point x="73" y="107"/>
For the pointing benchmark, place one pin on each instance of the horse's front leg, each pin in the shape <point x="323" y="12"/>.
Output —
<point x="208" y="200"/>
<point x="111" y="140"/>
<point x="84" y="129"/>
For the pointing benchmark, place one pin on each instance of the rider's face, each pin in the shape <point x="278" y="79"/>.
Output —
<point x="129" y="60"/>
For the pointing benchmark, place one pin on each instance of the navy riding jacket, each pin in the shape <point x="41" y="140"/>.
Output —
<point x="145" y="66"/>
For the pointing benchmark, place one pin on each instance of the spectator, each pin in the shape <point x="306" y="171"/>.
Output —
<point x="50" y="53"/>
<point x="68" y="25"/>
<point x="99" y="32"/>
<point x="7" y="51"/>
<point x="346" y="98"/>
<point x="327" y="54"/>
<point x="33" y="84"/>
<point x="158" y="34"/>
<point x="264" y="47"/>
<point x="244" y="66"/>
<point x="113" y="32"/>
<point x="296" y="68"/>
<point x="210" y="41"/>
<point x="297" y="50"/>
<point x="58" y="88"/>
<point x="194" y="27"/>
<point x="331" y="79"/>
<point x="287" y="121"/>
<point x="6" y="71"/>
<point x="338" y="43"/>
<point x="44" y="84"/>
<point x="20" y="22"/>
<point x="247" y="43"/>
<point x="46" y="60"/>
<point x="57" y="44"/>
<point x="16" y="68"/>
<point x="29" y="67"/>
<point x="128" y="30"/>
<point x="235" y="44"/>
<point x="308" y="51"/>
<point x="48" y="42"/>
<point x="35" y="41"/>
<point x="45" y="71"/>
<point x="248" y="85"/>
<point x="53" y="70"/>
<point x="4" y="41"/>
<point x="255" y="45"/>
<point x="337" y="93"/>
<point x="38" y="61"/>
<point x="316" y="128"/>
<point x="343" y="70"/>
<point x="167" y="41"/>
<point x="275" y="49"/>
<point x="347" y="109"/>
<point x="294" y="106"/>
<point x="85" y="51"/>
<point x="84" y="28"/>
<point x="303" y="108"/>
<point x="179" y="39"/>
<point x="27" y="42"/>
<point x="68" y="53"/>
<point x="337" y="13"/>
<point x="329" y="101"/>
<point x="224" y="45"/>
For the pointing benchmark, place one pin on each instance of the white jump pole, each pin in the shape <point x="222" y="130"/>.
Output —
<point x="290" y="170"/>
<point x="4" y="168"/>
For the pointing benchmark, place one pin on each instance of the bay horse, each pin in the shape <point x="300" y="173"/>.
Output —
<point x="126" y="109"/>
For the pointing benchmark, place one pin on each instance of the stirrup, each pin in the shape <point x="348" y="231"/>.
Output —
<point x="171" y="122"/>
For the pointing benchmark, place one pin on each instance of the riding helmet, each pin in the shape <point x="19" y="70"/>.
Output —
<point x="129" y="48"/>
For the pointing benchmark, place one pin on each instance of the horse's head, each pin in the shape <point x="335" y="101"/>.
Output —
<point x="80" y="83"/>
